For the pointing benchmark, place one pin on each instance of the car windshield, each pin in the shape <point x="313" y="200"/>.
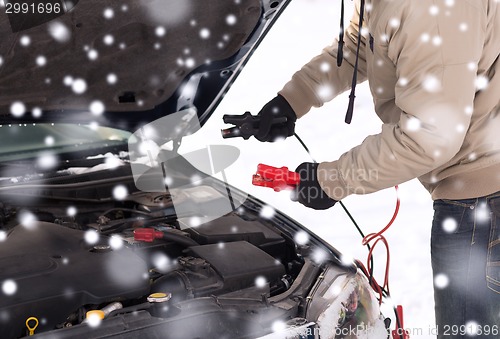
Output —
<point x="25" y="141"/>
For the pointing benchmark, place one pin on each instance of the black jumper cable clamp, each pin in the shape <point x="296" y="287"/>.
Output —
<point x="246" y="125"/>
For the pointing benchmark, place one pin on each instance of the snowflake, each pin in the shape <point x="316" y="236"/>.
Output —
<point x="260" y="282"/>
<point x="49" y="140"/>
<point x="17" y="109"/>
<point x="301" y="238"/>
<point x="278" y="326"/>
<point x="231" y="19"/>
<point x="9" y="287"/>
<point x="413" y="124"/>
<point x="59" y="31"/>
<point x="403" y="81"/>
<point x="472" y="328"/>
<point x="92" y="54"/>
<point x="25" y="40"/>
<point x="481" y="82"/>
<point x="116" y="242"/>
<point x="441" y="281"/>
<point x="108" y="13"/>
<point x="3" y="236"/>
<point x="221" y="245"/>
<point x="111" y="78"/>
<point x="161" y="262"/>
<point x="267" y="212"/>
<point x="346" y="259"/>
<point x="394" y="22"/>
<point x="108" y="39"/>
<point x="324" y="67"/>
<point x="449" y="225"/>
<point x="437" y="41"/>
<point x="1" y="60"/>
<point x="120" y="192"/>
<point x="79" y="86"/>
<point x="434" y="10"/>
<point x="325" y="92"/>
<point x="41" y="60"/>
<point x="160" y="31"/>
<point x="425" y="37"/>
<point x="449" y="3"/>
<point x="463" y="27"/>
<point x="431" y="84"/>
<point x="91" y="237"/>
<point x="482" y="213"/>
<point x="71" y="211"/>
<point x="46" y="160"/>
<point x="204" y="33"/>
<point x="93" y="319"/>
<point x="36" y="112"/>
<point x="96" y="107"/>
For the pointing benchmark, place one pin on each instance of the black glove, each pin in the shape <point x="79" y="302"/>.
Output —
<point x="309" y="193"/>
<point x="276" y="108"/>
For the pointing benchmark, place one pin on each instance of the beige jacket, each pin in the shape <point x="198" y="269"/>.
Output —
<point x="434" y="72"/>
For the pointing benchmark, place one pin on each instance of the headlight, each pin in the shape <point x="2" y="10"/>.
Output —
<point x="343" y="305"/>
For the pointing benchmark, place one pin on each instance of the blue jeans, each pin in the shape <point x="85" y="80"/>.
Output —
<point x="465" y="251"/>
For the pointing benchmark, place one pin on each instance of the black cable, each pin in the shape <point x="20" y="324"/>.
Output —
<point x="385" y="293"/>
<point x="345" y="209"/>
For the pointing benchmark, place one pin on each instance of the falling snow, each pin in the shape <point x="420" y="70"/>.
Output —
<point x="115" y="242"/>
<point x="120" y="192"/>
<point x="41" y="60"/>
<point x="482" y="213"/>
<point x="71" y="211"/>
<point x="161" y="262"/>
<point x="204" y="33"/>
<point x="92" y="54"/>
<point x="301" y="238"/>
<point x="46" y="160"/>
<point x="431" y="84"/>
<point x="260" y="282"/>
<point x="472" y="328"/>
<point x="160" y="31"/>
<point x="17" y="109"/>
<point x="231" y="19"/>
<point x="3" y="236"/>
<point x="111" y="79"/>
<point x="93" y="320"/>
<point x="413" y="124"/>
<point x="441" y="281"/>
<point x="267" y="212"/>
<point x="278" y="326"/>
<point x="91" y="237"/>
<point x="9" y="287"/>
<point x="324" y="67"/>
<point x="27" y="219"/>
<point x="79" y="86"/>
<point x="25" y="40"/>
<point x="449" y="225"/>
<point x="96" y="107"/>
<point x="59" y="31"/>
<point x="49" y="140"/>
<point x="108" y="39"/>
<point x="108" y="13"/>
<point x="481" y="82"/>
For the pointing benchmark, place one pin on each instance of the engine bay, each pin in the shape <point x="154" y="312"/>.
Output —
<point x="70" y="258"/>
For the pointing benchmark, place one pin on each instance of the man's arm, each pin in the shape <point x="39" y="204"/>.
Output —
<point x="435" y="93"/>
<point x="321" y="80"/>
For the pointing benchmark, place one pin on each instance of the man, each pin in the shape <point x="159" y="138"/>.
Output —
<point x="434" y="72"/>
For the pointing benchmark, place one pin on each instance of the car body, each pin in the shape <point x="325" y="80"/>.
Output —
<point x="106" y="230"/>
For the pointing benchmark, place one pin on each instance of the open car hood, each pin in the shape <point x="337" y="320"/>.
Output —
<point x="124" y="64"/>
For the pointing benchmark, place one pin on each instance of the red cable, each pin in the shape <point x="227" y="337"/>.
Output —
<point x="379" y="237"/>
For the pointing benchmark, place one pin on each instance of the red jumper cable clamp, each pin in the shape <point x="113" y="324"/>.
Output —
<point x="277" y="178"/>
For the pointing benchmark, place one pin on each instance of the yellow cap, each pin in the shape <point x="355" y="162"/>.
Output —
<point x="159" y="297"/>
<point x="95" y="313"/>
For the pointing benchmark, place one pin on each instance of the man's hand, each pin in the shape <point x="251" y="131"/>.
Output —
<point x="309" y="193"/>
<point x="276" y="108"/>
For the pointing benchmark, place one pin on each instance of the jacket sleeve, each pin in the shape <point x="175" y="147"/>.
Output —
<point x="436" y="65"/>
<point x="321" y="80"/>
